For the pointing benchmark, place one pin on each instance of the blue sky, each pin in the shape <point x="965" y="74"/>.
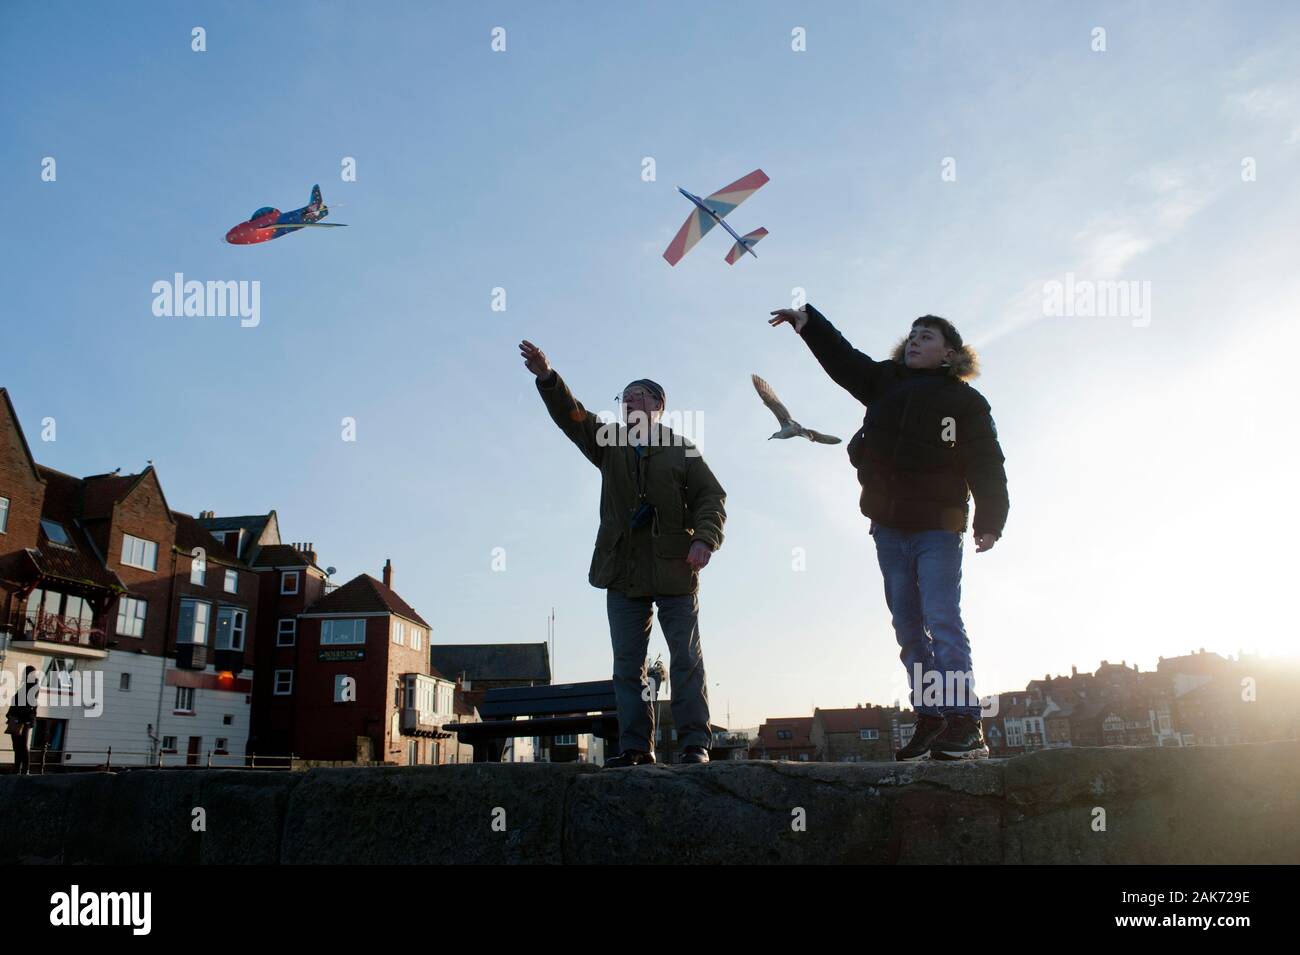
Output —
<point x="1147" y="463"/>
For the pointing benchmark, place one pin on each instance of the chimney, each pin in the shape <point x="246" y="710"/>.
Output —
<point x="388" y="574"/>
<point x="311" y="552"/>
<point x="1074" y="671"/>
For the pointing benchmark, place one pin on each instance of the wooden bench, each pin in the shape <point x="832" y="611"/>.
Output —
<point x="550" y="710"/>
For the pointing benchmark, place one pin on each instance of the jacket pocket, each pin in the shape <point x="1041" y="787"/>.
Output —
<point x="672" y="575"/>
<point x="604" y="558"/>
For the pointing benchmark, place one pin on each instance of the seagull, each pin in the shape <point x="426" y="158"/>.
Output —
<point x="789" y="427"/>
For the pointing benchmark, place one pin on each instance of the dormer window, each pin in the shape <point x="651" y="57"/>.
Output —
<point x="289" y="582"/>
<point x="55" y="532"/>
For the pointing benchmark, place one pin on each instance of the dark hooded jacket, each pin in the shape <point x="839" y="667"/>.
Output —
<point x="927" y="442"/>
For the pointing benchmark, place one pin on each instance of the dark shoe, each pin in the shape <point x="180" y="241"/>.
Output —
<point x="928" y="729"/>
<point x="695" y="754"/>
<point x="630" y="757"/>
<point x="963" y="739"/>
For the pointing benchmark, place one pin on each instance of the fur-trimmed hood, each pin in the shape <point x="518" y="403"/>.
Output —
<point x="965" y="363"/>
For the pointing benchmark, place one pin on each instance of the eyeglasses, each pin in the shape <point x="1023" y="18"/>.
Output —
<point x="630" y="396"/>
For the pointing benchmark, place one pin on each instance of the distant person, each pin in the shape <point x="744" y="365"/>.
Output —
<point x="926" y="445"/>
<point x="20" y="719"/>
<point x="661" y="517"/>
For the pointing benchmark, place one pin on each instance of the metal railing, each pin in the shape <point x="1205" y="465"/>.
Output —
<point x="56" y="628"/>
<point x="161" y="759"/>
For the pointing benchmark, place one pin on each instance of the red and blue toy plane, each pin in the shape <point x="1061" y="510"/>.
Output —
<point x="710" y="211"/>
<point x="266" y="223"/>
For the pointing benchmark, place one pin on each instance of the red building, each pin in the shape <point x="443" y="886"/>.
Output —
<point x="355" y="683"/>
<point x="786" y="737"/>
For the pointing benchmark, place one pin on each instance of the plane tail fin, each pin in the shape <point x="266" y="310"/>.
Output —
<point x="316" y="201"/>
<point x="745" y="244"/>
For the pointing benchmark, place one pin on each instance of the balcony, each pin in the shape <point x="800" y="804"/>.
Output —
<point x="419" y="716"/>
<point x="57" y="635"/>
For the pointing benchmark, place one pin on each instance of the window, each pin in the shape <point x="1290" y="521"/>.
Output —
<point x="283" y="682"/>
<point x="4" y="515"/>
<point x="185" y="699"/>
<point x="342" y="631"/>
<point x="192" y="627"/>
<point x="55" y="532"/>
<point x="784" y="734"/>
<point x="232" y="581"/>
<point x="124" y="682"/>
<point x="227" y="720"/>
<point x="137" y="552"/>
<point x="868" y="734"/>
<point x="169" y="744"/>
<point x="289" y="582"/>
<point x="569" y="740"/>
<point x="198" y="568"/>
<point x="417" y="638"/>
<point x="57" y="677"/>
<point x="287" y="635"/>
<point x="130" y="616"/>
<point x="230" y="628"/>
<point x="221" y="746"/>
<point x="399" y="632"/>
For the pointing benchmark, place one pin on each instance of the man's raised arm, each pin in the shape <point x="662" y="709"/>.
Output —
<point x="580" y="425"/>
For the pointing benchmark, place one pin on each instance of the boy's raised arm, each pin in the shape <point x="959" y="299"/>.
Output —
<point x="849" y="368"/>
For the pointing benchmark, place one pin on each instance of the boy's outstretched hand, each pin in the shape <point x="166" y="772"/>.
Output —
<point x="534" y="359"/>
<point x="985" y="542"/>
<point x="795" y="316"/>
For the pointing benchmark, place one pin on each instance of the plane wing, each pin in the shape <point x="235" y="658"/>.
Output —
<point x="697" y="224"/>
<point x="311" y="225"/>
<point x="728" y="197"/>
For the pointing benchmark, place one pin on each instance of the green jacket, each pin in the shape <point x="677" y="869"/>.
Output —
<point x="648" y="561"/>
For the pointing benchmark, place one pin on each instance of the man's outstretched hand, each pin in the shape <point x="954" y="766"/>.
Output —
<point x="984" y="542"/>
<point x="698" y="555"/>
<point x="795" y="316"/>
<point x="534" y="359"/>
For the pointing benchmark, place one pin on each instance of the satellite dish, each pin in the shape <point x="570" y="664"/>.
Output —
<point x="330" y="571"/>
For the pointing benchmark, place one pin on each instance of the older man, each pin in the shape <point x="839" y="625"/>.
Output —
<point x="661" y="517"/>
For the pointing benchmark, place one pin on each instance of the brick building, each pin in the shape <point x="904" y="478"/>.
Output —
<point x="357" y="683"/>
<point x="103" y="585"/>
<point x="853" y="735"/>
<point x="784" y="738"/>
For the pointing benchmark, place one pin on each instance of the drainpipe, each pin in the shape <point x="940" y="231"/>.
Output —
<point x="162" y="678"/>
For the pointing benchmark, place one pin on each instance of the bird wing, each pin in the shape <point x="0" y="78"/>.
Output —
<point x="822" y="438"/>
<point x="771" y="400"/>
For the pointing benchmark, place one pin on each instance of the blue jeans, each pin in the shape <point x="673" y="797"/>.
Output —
<point x="922" y="571"/>
<point x="629" y="630"/>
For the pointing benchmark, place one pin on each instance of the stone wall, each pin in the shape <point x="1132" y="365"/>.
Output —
<point x="1227" y="804"/>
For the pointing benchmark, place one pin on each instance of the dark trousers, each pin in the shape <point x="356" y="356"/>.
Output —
<point x="22" y="764"/>
<point x="630" y="619"/>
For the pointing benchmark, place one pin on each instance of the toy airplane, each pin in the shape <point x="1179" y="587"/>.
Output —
<point x="267" y="223"/>
<point x="710" y="211"/>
